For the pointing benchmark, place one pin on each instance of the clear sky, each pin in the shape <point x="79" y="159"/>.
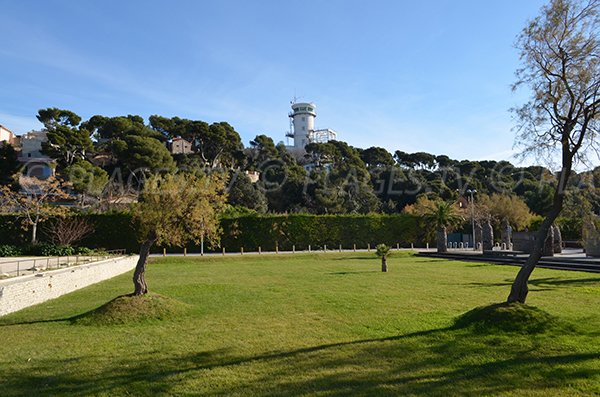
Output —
<point x="429" y="76"/>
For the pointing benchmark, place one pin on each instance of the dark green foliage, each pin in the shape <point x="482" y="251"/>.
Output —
<point x="116" y="230"/>
<point x="375" y="157"/>
<point x="9" y="164"/>
<point x="12" y="230"/>
<point x="136" y="153"/>
<point x="10" y="250"/>
<point x="86" y="178"/>
<point x="242" y="192"/>
<point x="67" y="142"/>
<point x="112" y="230"/>
<point x="302" y="230"/>
<point x="47" y="249"/>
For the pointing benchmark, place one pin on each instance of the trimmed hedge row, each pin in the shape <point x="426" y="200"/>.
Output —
<point x="117" y="230"/>
<point x="302" y="230"/>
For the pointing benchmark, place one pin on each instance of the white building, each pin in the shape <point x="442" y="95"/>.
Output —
<point x="8" y="136"/>
<point x="302" y="127"/>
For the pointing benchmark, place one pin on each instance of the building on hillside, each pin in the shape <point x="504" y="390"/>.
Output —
<point x="181" y="146"/>
<point x="302" y="128"/>
<point x="254" y="176"/>
<point x="35" y="163"/>
<point x="8" y="136"/>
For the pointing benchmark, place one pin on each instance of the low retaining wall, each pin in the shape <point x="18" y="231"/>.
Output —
<point x="21" y="292"/>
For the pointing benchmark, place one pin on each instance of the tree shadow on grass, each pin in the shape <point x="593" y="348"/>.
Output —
<point x="353" y="272"/>
<point x="71" y="319"/>
<point x="429" y="363"/>
<point x="547" y="283"/>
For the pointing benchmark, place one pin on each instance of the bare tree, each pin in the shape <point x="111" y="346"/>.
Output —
<point x="68" y="230"/>
<point x="34" y="202"/>
<point x="561" y="65"/>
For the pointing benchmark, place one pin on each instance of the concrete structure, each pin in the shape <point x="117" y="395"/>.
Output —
<point x="8" y="136"/>
<point x="254" y="176"/>
<point x="302" y="127"/>
<point x="20" y="292"/>
<point x="181" y="146"/>
<point x="36" y="164"/>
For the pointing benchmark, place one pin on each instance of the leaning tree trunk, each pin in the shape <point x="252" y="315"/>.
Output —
<point x="139" y="279"/>
<point x="442" y="240"/>
<point x="519" y="289"/>
<point x="384" y="264"/>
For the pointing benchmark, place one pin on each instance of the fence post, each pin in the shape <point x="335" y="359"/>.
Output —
<point x="276" y="247"/>
<point x="223" y="251"/>
<point x="427" y="245"/>
<point x="369" y="247"/>
<point x="164" y="252"/>
<point x="354" y="247"/>
<point x="309" y="248"/>
<point x="412" y="246"/>
<point x="397" y="246"/>
<point x="241" y="250"/>
<point x="259" y="250"/>
<point x="324" y="247"/>
<point x="340" y="247"/>
<point x="18" y="268"/>
<point x="294" y="248"/>
<point x="184" y="251"/>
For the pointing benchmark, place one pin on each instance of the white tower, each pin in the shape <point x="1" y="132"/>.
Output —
<point x="303" y="123"/>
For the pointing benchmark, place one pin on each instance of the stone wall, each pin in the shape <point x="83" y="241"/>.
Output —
<point x="21" y="292"/>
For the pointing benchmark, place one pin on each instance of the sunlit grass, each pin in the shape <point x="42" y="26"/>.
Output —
<point x="310" y="324"/>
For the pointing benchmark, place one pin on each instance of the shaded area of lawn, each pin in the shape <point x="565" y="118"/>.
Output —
<point x="311" y="325"/>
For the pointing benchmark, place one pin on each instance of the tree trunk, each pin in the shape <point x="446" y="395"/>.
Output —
<point x="34" y="234"/>
<point x="442" y="240"/>
<point x="383" y="264"/>
<point x="139" y="280"/>
<point x="519" y="289"/>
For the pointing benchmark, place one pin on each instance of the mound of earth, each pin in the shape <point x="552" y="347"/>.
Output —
<point x="504" y="317"/>
<point x="128" y="309"/>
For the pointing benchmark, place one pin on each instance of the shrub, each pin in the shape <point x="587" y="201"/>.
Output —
<point x="84" y="251"/>
<point x="10" y="250"/>
<point x="382" y="250"/>
<point x="46" y="249"/>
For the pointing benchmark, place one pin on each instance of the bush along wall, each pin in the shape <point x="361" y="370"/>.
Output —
<point x="117" y="230"/>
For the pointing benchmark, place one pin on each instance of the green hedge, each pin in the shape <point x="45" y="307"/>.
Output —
<point x="117" y="230"/>
<point x="301" y="230"/>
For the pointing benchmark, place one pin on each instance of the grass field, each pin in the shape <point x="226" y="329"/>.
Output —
<point x="310" y="324"/>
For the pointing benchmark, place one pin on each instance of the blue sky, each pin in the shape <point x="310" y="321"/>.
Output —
<point x="428" y="76"/>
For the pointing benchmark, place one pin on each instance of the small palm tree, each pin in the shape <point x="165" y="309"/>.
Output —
<point x="382" y="252"/>
<point x="442" y="216"/>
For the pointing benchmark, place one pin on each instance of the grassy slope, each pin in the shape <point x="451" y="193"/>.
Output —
<point x="309" y="324"/>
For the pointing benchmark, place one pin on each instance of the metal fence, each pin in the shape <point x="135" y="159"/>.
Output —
<point x="27" y="266"/>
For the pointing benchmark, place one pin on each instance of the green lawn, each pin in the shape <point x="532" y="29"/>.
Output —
<point x="310" y="324"/>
